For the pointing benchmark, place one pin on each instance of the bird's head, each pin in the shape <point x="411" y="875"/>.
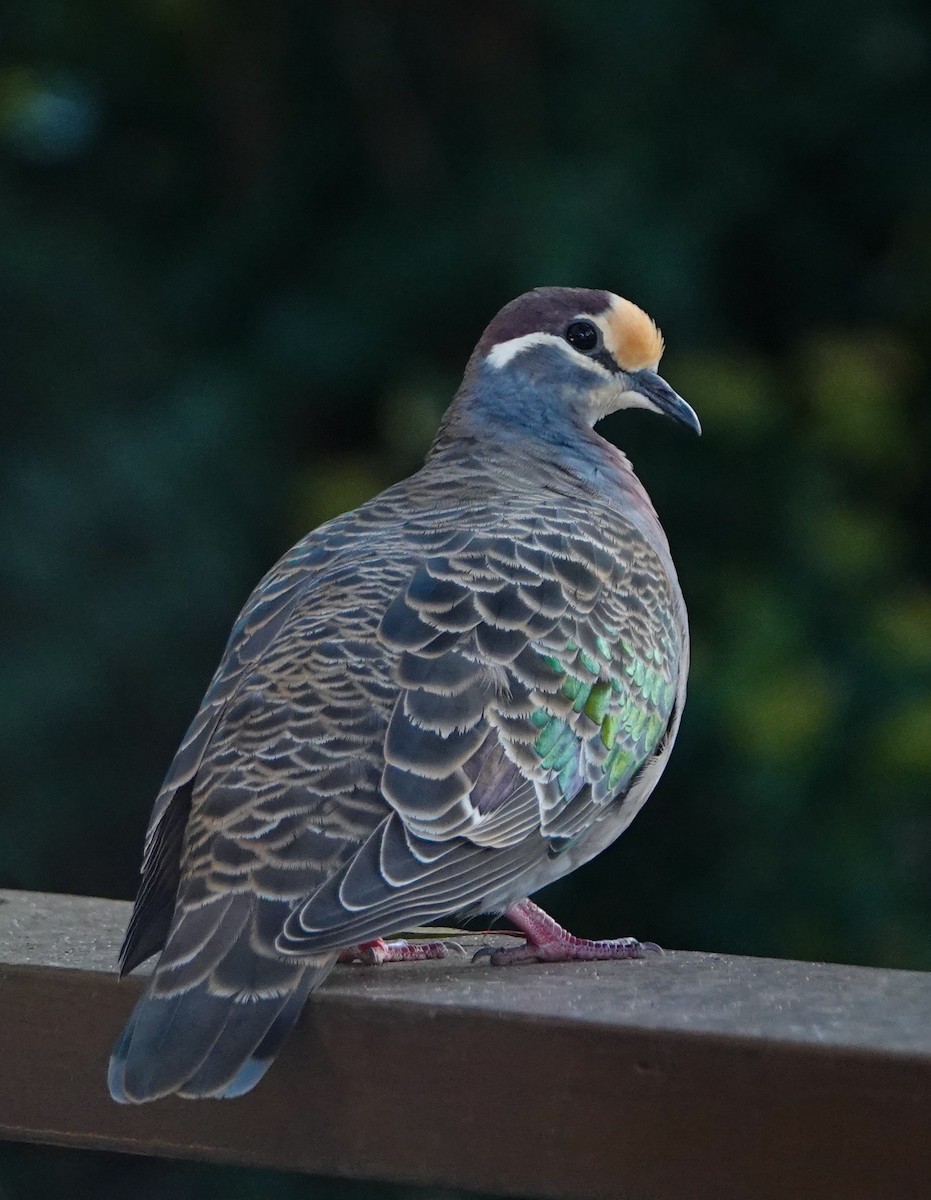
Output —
<point x="589" y="352"/>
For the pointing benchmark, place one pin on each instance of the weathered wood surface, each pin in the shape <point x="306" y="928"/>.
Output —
<point x="687" y="1077"/>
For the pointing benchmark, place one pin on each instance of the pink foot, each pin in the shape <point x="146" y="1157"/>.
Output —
<point x="379" y="951"/>
<point x="549" y="942"/>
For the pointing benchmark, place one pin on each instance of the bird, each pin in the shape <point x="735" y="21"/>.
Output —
<point x="433" y="705"/>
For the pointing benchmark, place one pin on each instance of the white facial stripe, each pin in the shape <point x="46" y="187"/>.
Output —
<point x="632" y="400"/>
<point x="614" y="403"/>
<point x="499" y="356"/>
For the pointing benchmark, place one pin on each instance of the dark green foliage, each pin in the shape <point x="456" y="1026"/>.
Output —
<point x="244" y="252"/>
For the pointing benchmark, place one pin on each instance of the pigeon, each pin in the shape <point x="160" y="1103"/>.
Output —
<point x="432" y="706"/>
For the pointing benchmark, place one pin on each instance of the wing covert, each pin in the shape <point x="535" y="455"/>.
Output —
<point x="530" y="695"/>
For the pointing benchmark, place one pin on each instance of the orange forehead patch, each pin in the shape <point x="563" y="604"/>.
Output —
<point x="631" y="336"/>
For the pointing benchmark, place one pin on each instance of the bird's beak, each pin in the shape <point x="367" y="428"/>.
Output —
<point x="660" y="395"/>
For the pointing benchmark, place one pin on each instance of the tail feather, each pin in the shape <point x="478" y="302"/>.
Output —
<point x="166" y="1040"/>
<point x="240" y="1058"/>
<point x="215" y="1034"/>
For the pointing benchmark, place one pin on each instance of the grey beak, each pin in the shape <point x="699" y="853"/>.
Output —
<point x="655" y="389"/>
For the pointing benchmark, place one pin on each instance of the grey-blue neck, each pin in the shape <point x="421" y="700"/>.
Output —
<point x="538" y="401"/>
<point x="531" y="419"/>
<point x="539" y="395"/>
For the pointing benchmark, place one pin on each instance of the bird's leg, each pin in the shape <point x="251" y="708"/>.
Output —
<point x="549" y="942"/>
<point x="379" y="951"/>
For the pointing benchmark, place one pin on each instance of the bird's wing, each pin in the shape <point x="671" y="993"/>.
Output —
<point x="262" y="619"/>
<point x="537" y="675"/>
<point x="277" y="784"/>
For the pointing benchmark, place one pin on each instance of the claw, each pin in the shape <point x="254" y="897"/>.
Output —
<point x="549" y="942"/>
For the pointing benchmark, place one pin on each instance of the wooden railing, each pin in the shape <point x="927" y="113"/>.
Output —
<point x="687" y="1077"/>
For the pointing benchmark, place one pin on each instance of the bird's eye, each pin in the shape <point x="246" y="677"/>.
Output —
<point x="582" y="336"/>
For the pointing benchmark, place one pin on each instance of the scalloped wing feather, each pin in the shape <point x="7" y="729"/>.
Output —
<point x="510" y="739"/>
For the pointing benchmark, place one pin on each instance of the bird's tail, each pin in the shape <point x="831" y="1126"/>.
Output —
<point x="212" y="1020"/>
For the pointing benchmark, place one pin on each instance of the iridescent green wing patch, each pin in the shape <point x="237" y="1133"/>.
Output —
<point x="619" y="703"/>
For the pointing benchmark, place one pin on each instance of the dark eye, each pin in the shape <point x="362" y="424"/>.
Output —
<point x="582" y="336"/>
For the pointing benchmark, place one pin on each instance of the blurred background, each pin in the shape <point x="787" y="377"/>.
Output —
<point x="245" y="251"/>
